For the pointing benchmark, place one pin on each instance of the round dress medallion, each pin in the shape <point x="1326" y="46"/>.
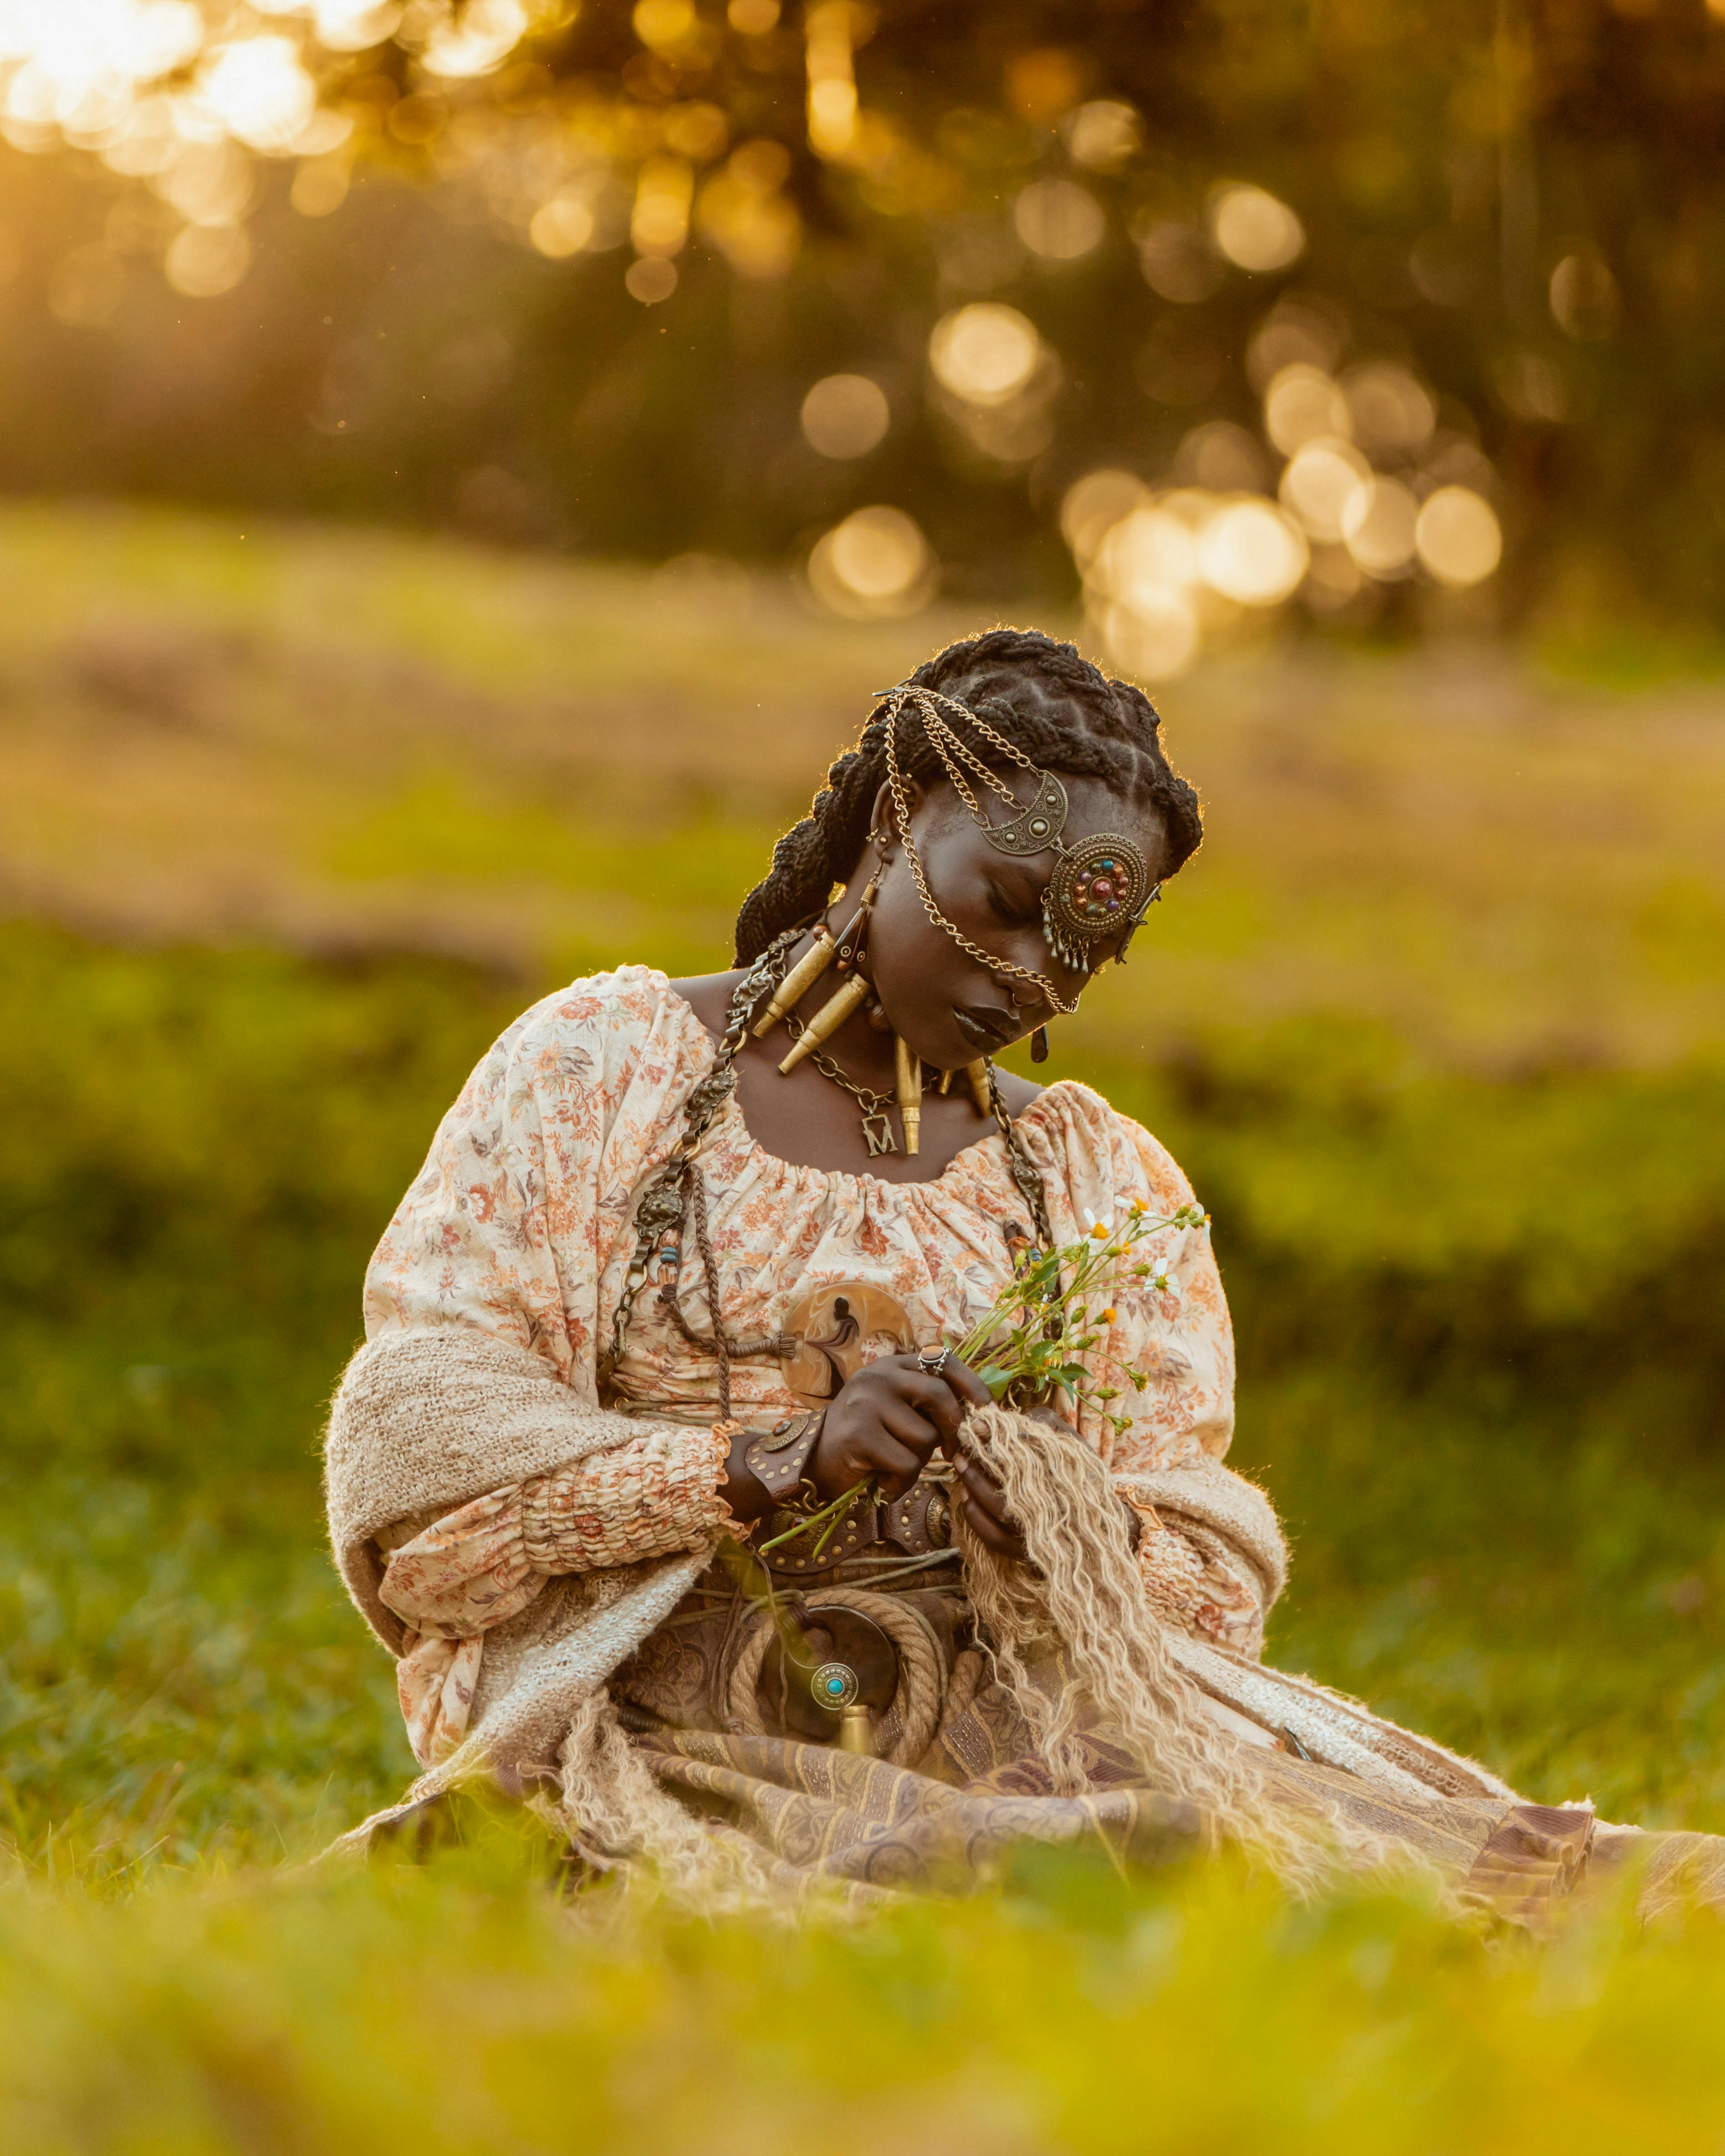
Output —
<point x="833" y="1332"/>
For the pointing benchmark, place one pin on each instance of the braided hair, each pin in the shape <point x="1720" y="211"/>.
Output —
<point x="1064" y="713"/>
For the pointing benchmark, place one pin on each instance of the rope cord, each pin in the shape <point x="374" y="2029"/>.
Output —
<point x="908" y="1727"/>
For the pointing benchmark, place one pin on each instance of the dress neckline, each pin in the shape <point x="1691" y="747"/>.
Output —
<point x="846" y="1178"/>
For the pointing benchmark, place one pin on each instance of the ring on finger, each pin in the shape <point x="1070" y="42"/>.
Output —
<point x="933" y="1361"/>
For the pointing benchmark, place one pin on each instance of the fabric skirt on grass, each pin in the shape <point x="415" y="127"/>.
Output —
<point x="955" y="1820"/>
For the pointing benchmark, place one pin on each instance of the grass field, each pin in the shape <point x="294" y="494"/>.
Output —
<point x="289" y="824"/>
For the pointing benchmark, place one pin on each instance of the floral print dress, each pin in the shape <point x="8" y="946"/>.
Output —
<point x="525" y="1200"/>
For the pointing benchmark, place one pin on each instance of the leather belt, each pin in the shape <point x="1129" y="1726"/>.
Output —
<point x="914" y="1525"/>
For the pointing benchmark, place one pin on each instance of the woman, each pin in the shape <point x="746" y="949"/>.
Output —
<point x="683" y="1269"/>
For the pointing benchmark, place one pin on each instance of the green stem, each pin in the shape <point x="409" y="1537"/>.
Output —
<point x="829" y="1514"/>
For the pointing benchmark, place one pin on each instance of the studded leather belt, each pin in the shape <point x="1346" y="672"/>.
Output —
<point x="913" y="1525"/>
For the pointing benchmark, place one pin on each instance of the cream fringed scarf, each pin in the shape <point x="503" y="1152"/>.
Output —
<point x="1080" y="1597"/>
<point x="426" y="1420"/>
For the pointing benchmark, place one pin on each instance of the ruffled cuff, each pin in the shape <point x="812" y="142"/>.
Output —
<point x="660" y="1493"/>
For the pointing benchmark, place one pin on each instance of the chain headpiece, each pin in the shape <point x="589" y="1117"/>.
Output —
<point x="1100" y="887"/>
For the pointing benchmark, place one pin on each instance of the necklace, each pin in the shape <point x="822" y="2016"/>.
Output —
<point x="876" y="1107"/>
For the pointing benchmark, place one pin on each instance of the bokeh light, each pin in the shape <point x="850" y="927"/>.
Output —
<point x="743" y="211"/>
<point x="1256" y="230"/>
<point x="562" y="226"/>
<point x="1295" y="331"/>
<point x="1585" y="302"/>
<point x="985" y="352"/>
<point x="1252" y="553"/>
<point x="1091" y="507"/>
<point x="1155" y="641"/>
<point x="206" y="259"/>
<point x="1149" y="553"/>
<point x="258" y="89"/>
<point x="1301" y="404"/>
<point x="1059" y="220"/>
<point x="663" y="25"/>
<point x="1393" y="412"/>
<point x="1221" y="458"/>
<point x="1378" y="526"/>
<point x="651" y="279"/>
<point x="209" y="182"/>
<point x="480" y="39"/>
<point x="1458" y="537"/>
<point x="320" y="186"/>
<point x="876" y="563"/>
<point x="845" y="415"/>
<point x="665" y="190"/>
<point x="189" y="97"/>
<point x="1164" y="570"/>
<point x="1319" y="484"/>
<point x="1103" y="135"/>
<point x="354" y="26"/>
<point x="1180" y="262"/>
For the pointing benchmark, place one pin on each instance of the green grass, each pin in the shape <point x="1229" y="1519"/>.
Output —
<point x="460" y="2008"/>
<point x="1441" y="1043"/>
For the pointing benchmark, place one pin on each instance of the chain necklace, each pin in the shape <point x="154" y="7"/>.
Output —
<point x="876" y="1107"/>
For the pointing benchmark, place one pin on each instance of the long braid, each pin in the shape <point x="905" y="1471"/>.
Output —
<point x="1044" y="697"/>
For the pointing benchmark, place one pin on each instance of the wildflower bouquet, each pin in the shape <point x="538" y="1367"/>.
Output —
<point x="1045" y="1331"/>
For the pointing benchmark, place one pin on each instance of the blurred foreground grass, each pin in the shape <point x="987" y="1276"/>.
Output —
<point x="460" y="2008"/>
<point x="1453" y="1089"/>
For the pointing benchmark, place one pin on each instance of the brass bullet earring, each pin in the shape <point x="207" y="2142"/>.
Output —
<point x="909" y="1092"/>
<point x="800" y="979"/>
<point x="848" y="956"/>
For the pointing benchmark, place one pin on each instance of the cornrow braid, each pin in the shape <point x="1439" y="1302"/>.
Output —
<point x="1061" y="710"/>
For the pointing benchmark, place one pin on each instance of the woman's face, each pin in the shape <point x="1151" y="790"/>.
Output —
<point x="948" y="1007"/>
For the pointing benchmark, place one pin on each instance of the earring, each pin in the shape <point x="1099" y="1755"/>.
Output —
<point x="982" y="1086"/>
<point x="1038" y="1044"/>
<point x="909" y="1088"/>
<point x="827" y="1021"/>
<point x="845" y="951"/>
<point x="856" y="939"/>
<point x="800" y="979"/>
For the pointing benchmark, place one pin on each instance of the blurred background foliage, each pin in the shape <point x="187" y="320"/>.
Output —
<point x="464" y="469"/>
<point x="1364" y="316"/>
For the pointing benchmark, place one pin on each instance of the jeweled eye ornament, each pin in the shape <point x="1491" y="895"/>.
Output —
<point x="1101" y="888"/>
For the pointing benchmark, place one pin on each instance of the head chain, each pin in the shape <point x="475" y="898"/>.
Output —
<point x="1033" y="829"/>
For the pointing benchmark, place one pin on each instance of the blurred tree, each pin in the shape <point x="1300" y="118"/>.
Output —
<point x="1335" y="296"/>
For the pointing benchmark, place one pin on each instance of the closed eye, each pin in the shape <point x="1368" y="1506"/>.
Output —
<point x="1010" y="913"/>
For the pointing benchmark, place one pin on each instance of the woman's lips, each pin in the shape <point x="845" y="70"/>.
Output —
<point x="984" y="1025"/>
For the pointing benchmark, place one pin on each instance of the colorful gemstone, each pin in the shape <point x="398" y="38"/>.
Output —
<point x="835" y="1685"/>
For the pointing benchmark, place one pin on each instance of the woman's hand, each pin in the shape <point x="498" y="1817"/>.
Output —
<point x="982" y="1500"/>
<point x="885" y="1422"/>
